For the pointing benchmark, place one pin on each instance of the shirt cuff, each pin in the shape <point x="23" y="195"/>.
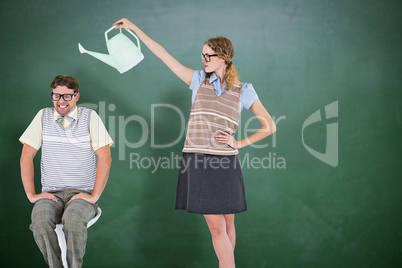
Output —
<point x="251" y="101"/>
<point x="102" y="145"/>
<point x="30" y="143"/>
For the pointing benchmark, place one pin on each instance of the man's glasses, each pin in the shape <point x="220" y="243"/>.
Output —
<point x="207" y="57"/>
<point x="66" y="97"/>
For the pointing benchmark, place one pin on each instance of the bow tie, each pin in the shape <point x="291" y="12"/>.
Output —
<point x="61" y="118"/>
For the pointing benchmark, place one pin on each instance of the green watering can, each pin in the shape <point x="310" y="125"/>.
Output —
<point x="123" y="53"/>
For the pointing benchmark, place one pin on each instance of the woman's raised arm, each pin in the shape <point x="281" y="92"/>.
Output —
<point x="180" y="70"/>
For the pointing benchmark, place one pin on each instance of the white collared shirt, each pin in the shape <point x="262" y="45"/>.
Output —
<point x="33" y="135"/>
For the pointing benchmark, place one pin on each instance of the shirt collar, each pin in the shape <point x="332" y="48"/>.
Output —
<point x="213" y="77"/>
<point x="73" y="114"/>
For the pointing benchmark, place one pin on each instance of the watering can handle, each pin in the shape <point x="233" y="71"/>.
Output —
<point x="138" y="41"/>
<point x="107" y="39"/>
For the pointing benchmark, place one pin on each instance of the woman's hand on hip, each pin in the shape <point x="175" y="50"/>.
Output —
<point x="227" y="139"/>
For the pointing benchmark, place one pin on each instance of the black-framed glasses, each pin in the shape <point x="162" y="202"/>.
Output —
<point x="66" y="97"/>
<point x="207" y="57"/>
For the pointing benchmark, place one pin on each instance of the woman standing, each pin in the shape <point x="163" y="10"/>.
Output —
<point x="210" y="179"/>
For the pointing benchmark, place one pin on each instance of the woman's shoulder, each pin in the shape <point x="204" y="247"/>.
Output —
<point x="200" y="74"/>
<point x="248" y="91"/>
<point x="247" y="86"/>
<point x="247" y="96"/>
<point x="198" y="78"/>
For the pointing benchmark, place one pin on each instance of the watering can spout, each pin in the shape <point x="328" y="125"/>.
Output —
<point x="100" y="56"/>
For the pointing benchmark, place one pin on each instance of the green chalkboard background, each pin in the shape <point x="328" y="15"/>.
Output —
<point x="337" y="63"/>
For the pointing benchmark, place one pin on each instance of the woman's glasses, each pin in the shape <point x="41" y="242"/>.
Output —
<point x="207" y="57"/>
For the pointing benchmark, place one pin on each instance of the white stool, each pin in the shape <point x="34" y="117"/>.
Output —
<point x="62" y="238"/>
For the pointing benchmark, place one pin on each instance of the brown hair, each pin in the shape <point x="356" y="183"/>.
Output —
<point x="225" y="50"/>
<point x="65" y="80"/>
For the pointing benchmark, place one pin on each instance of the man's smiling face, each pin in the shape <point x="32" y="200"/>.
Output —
<point x="65" y="107"/>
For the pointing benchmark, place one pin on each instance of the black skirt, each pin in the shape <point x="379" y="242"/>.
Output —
<point x="210" y="184"/>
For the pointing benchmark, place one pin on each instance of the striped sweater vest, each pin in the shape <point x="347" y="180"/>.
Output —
<point x="68" y="160"/>
<point x="210" y="113"/>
